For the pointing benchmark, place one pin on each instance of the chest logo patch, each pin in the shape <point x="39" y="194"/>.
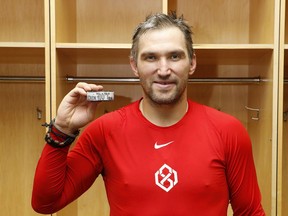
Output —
<point x="166" y="178"/>
<point x="158" y="146"/>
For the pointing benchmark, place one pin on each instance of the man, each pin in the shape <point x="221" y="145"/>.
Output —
<point x="162" y="155"/>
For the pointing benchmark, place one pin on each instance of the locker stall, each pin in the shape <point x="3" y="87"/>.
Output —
<point x="22" y="99"/>
<point x="51" y="45"/>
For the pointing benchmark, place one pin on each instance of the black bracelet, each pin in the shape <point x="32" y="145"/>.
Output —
<point x="68" y="139"/>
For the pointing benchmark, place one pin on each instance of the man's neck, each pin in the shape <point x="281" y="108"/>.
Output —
<point x="163" y="115"/>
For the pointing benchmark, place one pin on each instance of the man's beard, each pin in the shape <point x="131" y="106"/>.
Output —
<point x="164" y="98"/>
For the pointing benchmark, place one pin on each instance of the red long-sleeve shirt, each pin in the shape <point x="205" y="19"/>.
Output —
<point x="194" y="167"/>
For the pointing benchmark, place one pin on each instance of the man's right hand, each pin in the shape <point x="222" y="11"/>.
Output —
<point x="75" y="111"/>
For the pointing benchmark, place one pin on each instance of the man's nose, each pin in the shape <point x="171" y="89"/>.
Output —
<point x="163" y="67"/>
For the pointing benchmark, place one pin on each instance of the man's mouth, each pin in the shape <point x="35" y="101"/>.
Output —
<point x="164" y="84"/>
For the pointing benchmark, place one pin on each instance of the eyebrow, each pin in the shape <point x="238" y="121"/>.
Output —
<point x="177" y="51"/>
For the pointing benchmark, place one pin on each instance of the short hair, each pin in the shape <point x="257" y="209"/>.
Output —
<point x="160" y="21"/>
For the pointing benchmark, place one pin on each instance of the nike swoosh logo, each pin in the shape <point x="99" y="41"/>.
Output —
<point x="158" y="146"/>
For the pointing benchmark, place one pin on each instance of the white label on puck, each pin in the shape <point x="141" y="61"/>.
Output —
<point x="100" y="96"/>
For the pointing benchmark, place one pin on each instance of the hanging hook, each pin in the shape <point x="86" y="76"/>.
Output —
<point x="285" y="115"/>
<point x="256" y="118"/>
<point x="39" y="113"/>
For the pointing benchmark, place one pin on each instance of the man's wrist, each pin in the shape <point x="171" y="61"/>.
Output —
<point x="57" y="138"/>
<point x="65" y="130"/>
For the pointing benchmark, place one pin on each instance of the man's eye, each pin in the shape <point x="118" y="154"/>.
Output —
<point x="150" y="58"/>
<point x="175" y="57"/>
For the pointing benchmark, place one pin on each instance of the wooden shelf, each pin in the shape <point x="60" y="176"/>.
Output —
<point x="230" y="22"/>
<point x="54" y="39"/>
<point x="93" y="45"/>
<point x="22" y="21"/>
<point x="22" y="53"/>
<point x="81" y="21"/>
<point x="114" y="53"/>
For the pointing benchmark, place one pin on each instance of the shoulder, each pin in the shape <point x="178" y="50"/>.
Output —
<point x="215" y="117"/>
<point x="220" y="120"/>
<point x="116" y="118"/>
<point x="102" y="127"/>
<point x="229" y="128"/>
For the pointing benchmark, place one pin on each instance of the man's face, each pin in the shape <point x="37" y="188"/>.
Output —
<point x="163" y="65"/>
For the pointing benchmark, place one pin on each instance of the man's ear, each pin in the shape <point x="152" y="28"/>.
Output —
<point x="133" y="65"/>
<point x="193" y="65"/>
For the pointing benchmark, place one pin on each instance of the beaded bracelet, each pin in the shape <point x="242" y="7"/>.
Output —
<point x="67" y="139"/>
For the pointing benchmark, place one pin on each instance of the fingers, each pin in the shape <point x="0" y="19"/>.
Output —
<point x="88" y="87"/>
<point x="82" y="88"/>
<point x="74" y="110"/>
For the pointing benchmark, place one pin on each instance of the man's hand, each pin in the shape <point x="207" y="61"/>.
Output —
<point x="75" y="111"/>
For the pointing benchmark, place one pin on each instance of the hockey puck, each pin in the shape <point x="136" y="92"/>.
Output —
<point x="100" y="96"/>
